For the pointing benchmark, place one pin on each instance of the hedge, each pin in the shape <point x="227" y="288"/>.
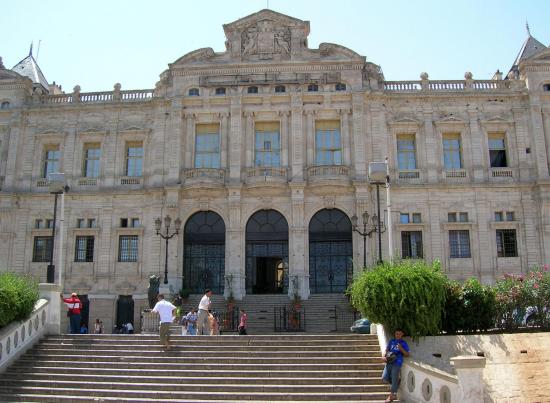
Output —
<point x="18" y="295"/>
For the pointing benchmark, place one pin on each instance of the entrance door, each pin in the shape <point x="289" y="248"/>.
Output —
<point x="85" y="311"/>
<point x="269" y="275"/>
<point x="124" y="310"/>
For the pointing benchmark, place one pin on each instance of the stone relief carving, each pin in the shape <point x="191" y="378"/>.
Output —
<point x="265" y="39"/>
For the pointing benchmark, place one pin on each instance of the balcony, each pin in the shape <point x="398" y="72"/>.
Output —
<point x="455" y="176"/>
<point x="212" y="176"/>
<point x="131" y="180"/>
<point x="262" y="175"/>
<point x="499" y="175"/>
<point x="329" y="174"/>
<point x="87" y="183"/>
<point x="410" y="176"/>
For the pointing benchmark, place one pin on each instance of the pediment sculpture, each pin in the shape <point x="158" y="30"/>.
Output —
<point x="265" y="39"/>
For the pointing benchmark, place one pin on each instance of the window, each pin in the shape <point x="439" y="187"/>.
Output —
<point x="510" y="216"/>
<point x="49" y="223"/>
<point x="51" y="160"/>
<point x="406" y="152"/>
<point x="128" y="248"/>
<point x="497" y="150"/>
<point x="134" y="159"/>
<point x="123" y="223"/>
<point x="459" y="244"/>
<point x="253" y="90"/>
<point x="193" y="92"/>
<point x="506" y="243"/>
<point x="452" y="152"/>
<point x="80" y="223"/>
<point x="92" y="156"/>
<point x="404" y="218"/>
<point x="280" y="88"/>
<point x="5" y="105"/>
<point x="267" y="146"/>
<point x="220" y="91"/>
<point x="207" y="146"/>
<point x="328" y="143"/>
<point x="313" y="88"/>
<point x="340" y="87"/>
<point x="451" y="217"/>
<point x="463" y="217"/>
<point x="84" y="249"/>
<point x="38" y="223"/>
<point x="417" y="218"/>
<point x="41" y="251"/>
<point x="545" y="87"/>
<point x="411" y="244"/>
<point x="135" y="222"/>
<point x="498" y="216"/>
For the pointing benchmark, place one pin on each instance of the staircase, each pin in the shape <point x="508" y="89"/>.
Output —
<point x="319" y="311"/>
<point x="133" y="368"/>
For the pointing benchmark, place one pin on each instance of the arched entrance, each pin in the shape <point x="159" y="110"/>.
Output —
<point x="266" y="253"/>
<point x="330" y="252"/>
<point x="204" y="253"/>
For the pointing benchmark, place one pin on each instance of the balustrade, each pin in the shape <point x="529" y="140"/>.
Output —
<point x="130" y="180"/>
<point x="99" y="97"/>
<point x="212" y="173"/>
<point x="447" y="85"/>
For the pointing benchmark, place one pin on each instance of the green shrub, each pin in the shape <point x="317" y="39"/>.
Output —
<point x="453" y="313"/>
<point x="408" y="294"/>
<point x="479" y="306"/>
<point x="18" y="295"/>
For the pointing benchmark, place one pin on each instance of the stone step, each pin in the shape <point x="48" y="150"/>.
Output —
<point x="197" y="373"/>
<point x="11" y="378"/>
<point x="266" y="337"/>
<point x="336" y="394"/>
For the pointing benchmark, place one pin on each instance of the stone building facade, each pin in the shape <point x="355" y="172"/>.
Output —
<point x="263" y="152"/>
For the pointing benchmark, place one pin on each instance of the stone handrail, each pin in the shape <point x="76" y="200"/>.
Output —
<point x="100" y="97"/>
<point x="212" y="173"/>
<point x="328" y="170"/>
<point x="17" y="337"/>
<point x="446" y="85"/>
<point x="266" y="171"/>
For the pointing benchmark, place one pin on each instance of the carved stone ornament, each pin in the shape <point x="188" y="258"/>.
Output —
<point x="265" y="39"/>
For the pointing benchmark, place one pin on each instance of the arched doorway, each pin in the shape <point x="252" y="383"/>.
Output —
<point x="204" y="253"/>
<point x="266" y="253"/>
<point x="330" y="252"/>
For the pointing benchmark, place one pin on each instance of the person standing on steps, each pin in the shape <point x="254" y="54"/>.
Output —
<point x="166" y="311"/>
<point x="74" y="305"/>
<point x="202" y="321"/>
<point x="242" y="323"/>
<point x="393" y="357"/>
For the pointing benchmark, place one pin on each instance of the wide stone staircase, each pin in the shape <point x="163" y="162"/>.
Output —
<point x="133" y="368"/>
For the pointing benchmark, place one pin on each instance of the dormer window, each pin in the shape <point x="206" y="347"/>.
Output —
<point x="340" y="87"/>
<point x="253" y="90"/>
<point x="6" y="105"/>
<point x="220" y="91"/>
<point x="280" y="88"/>
<point x="194" y="92"/>
<point x="313" y="88"/>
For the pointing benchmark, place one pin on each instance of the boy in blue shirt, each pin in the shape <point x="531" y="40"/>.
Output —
<point x="398" y="348"/>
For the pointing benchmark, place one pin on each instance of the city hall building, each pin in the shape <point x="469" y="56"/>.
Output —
<point x="262" y="151"/>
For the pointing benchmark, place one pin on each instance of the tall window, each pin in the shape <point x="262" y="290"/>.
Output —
<point x="328" y="143"/>
<point x="459" y="243"/>
<point x="411" y="244"/>
<point x="497" y="150"/>
<point x="84" y="249"/>
<point x="267" y="146"/>
<point x="313" y="88"/>
<point x="406" y="151"/>
<point x="41" y="251"/>
<point x="92" y="157"/>
<point x="207" y="146"/>
<point x="134" y="159"/>
<point x="506" y="243"/>
<point x="452" y="151"/>
<point x="128" y="248"/>
<point x="51" y="160"/>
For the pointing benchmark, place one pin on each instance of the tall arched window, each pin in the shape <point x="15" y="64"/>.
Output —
<point x="204" y="253"/>
<point x="330" y="252"/>
<point x="266" y="253"/>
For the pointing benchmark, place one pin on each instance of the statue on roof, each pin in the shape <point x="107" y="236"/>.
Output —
<point x="2" y="64"/>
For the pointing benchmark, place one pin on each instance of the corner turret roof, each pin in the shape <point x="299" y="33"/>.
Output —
<point x="530" y="47"/>
<point x="28" y="67"/>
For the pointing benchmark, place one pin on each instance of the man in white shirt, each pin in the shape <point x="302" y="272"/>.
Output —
<point x="202" y="321"/>
<point x="166" y="312"/>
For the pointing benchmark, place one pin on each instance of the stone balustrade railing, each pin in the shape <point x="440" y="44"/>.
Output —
<point x="266" y="171"/>
<point x="98" y="97"/>
<point x="211" y="173"/>
<point x="17" y="337"/>
<point x="328" y="170"/>
<point x="451" y="85"/>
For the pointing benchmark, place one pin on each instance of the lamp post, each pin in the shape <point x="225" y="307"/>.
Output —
<point x="56" y="186"/>
<point x="367" y="231"/>
<point x="378" y="175"/>
<point x="167" y="236"/>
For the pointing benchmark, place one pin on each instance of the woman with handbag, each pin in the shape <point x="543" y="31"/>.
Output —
<point x="393" y="357"/>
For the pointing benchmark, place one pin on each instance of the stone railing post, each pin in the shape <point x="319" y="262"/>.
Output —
<point x="468" y="80"/>
<point x="76" y="93"/>
<point x="51" y="292"/>
<point x="424" y="81"/>
<point x="469" y="370"/>
<point x="117" y="96"/>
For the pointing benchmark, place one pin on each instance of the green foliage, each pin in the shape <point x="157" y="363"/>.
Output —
<point x="453" y="314"/>
<point x="479" y="306"/>
<point x="408" y="294"/>
<point x="18" y="295"/>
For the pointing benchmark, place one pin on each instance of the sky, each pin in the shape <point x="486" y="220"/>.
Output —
<point x="98" y="43"/>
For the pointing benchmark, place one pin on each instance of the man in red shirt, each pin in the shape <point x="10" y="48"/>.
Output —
<point x="73" y="313"/>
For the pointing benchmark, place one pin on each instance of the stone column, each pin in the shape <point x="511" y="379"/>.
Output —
<point x="310" y="138"/>
<point x="297" y="261"/>
<point x="469" y="370"/>
<point x="432" y="146"/>
<point x="234" y="243"/>
<point x="346" y="137"/>
<point x="285" y="149"/>
<point x="224" y="136"/>
<point x="358" y="138"/>
<point x="188" y="146"/>
<point x="479" y="168"/>
<point x="538" y="139"/>
<point x="249" y="139"/>
<point x="297" y="139"/>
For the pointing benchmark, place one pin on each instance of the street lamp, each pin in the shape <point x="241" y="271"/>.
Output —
<point x="56" y="186"/>
<point x="367" y="231"/>
<point x="167" y="236"/>
<point x="378" y="175"/>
